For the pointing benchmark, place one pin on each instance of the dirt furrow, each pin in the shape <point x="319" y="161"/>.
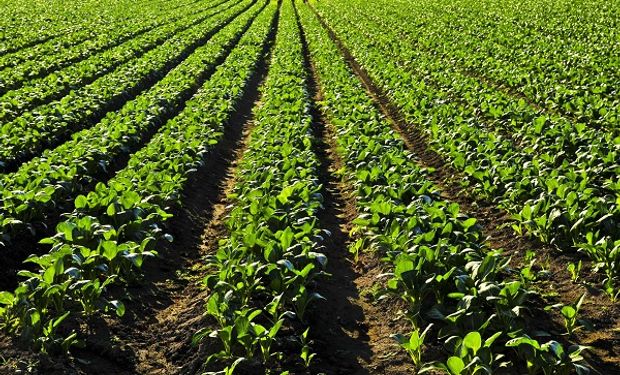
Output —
<point x="351" y="334"/>
<point x="163" y="341"/>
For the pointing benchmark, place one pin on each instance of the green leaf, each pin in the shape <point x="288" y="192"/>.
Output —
<point x="286" y="193"/>
<point x="81" y="201"/>
<point x="6" y="298"/>
<point x="455" y="365"/>
<point x="286" y="238"/>
<point x="129" y="199"/>
<point x="119" y="307"/>
<point x="488" y="342"/>
<point x="569" y="312"/>
<point x="66" y="228"/>
<point x="469" y="223"/>
<point x="48" y="275"/>
<point x="523" y="340"/>
<point x="473" y="341"/>
<point x="254" y="207"/>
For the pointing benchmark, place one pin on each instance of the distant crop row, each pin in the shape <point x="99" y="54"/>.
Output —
<point x="26" y="26"/>
<point x="559" y="55"/>
<point x="36" y="91"/>
<point x="75" y="45"/>
<point x="43" y="127"/>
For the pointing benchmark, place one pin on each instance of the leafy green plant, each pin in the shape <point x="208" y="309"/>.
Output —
<point x="413" y="344"/>
<point x="574" y="269"/>
<point x="306" y="352"/>
<point x="570" y="314"/>
<point x="228" y="370"/>
<point x="551" y="357"/>
<point x="472" y="356"/>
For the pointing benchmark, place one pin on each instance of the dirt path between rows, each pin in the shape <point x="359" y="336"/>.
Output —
<point x="166" y="348"/>
<point x="352" y="335"/>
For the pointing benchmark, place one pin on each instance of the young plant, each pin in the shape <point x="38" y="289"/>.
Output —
<point x="550" y="358"/>
<point x="413" y="344"/>
<point x="306" y="352"/>
<point x="229" y="370"/>
<point x="574" y="269"/>
<point x="472" y="356"/>
<point x="569" y="313"/>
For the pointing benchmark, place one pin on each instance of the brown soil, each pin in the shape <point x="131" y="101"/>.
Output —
<point x="352" y="333"/>
<point x="556" y="285"/>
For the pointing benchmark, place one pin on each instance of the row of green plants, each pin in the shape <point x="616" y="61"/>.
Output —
<point x="96" y="18"/>
<point x="26" y="37"/>
<point x="260" y="279"/>
<point x="116" y="227"/>
<point x="48" y="184"/>
<point x="62" y="82"/>
<point x="49" y="124"/>
<point x="33" y="64"/>
<point x="556" y="177"/>
<point x="26" y="24"/>
<point x="527" y="125"/>
<point x="456" y="290"/>
<point x="557" y="54"/>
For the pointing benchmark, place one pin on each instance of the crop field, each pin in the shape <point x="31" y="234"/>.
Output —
<point x="310" y="187"/>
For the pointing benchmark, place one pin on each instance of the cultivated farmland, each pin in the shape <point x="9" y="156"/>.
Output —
<point x="309" y="187"/>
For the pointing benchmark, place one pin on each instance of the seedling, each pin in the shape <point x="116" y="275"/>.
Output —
<point x="413" y="344"/>
<point x="574" y="269"/>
